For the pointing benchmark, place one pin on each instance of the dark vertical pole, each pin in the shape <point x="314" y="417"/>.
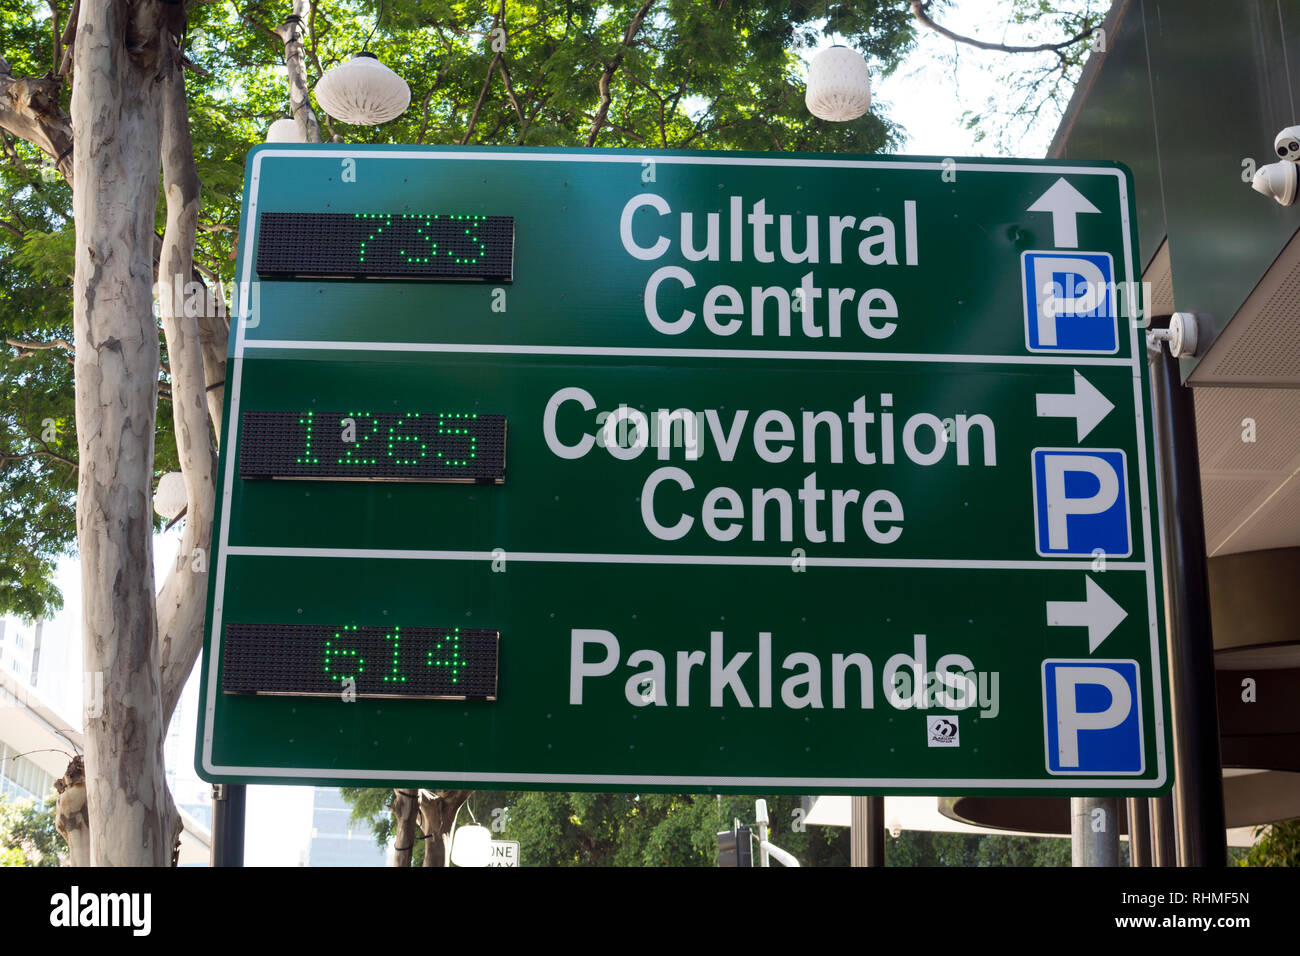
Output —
<point x="1200" y="817"/>
<point x="1139" y="832"/>
<point x="1164" y="849"/>
<point x="229" y="801"/>
<point x="875" y="831"/>
<point x="867" y="826"/>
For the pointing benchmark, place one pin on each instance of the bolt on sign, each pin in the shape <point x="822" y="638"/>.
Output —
<point x="565" y="469"/>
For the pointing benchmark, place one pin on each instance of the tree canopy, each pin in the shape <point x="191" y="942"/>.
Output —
<point x="656" y="829"/>
<point x="701" y="74"/>
<point x="645" y="74"/>
<point x="620" y="829"/>
<point x="27" y="834"/>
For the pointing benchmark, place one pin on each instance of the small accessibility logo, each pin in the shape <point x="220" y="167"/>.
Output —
<point x="942" y="731"/>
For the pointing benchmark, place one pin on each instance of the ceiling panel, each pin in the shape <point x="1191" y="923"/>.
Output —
<point x="1250" y="489"/>
<point x="1227" y="502"/>
<point x="1261" y="346"/>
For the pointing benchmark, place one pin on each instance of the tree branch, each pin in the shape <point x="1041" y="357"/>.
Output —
<point x="497" y="21"/>
<point x="180" y="605"/>
<point x="64" y="64"/>
<point x="30" y="347"/>
<point x="254" y="22"/>
<point x="30" y="110"/>
<point x="921" y="8"/>
<point x="56" y="35"/>
<point x="290" y="32"/>
<point x="311" y="30"/>
<point x="6" y="457"/>
<point x="616" y="126"/>
<point x="537" y="108"/>
<point x="482" y="95"/>
<point x="510" y="90"/>
<point x="608" y="73"/>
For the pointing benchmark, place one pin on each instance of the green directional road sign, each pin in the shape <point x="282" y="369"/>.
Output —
<point x="564" y="469"/>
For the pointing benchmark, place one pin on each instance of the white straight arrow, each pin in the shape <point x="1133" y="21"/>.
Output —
<point x="1098" y="613"/>
<point x="1064" y="202"/>
<point x="1086" y="406"/>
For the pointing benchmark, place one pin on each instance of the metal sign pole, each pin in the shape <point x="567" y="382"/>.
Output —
<point x="1093" y="833"/>
<point x="229" y="803"/>
<point x="1164" y="847"/>
<point x="1139" y="832"/>
<point x="867" y="827"/>
<point x="1199" y="790"/>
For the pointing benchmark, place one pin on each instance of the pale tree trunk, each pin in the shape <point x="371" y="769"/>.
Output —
<point x="214" y="332"/>
<point x="437" y="814"/>
<point x="295" y="62"/>
<point x="30" y="110"/>
<point x="405" y="808"/>
<point x="70" y="817"/>
<point x="115" y="120"/>
<point x="182" y="601"/>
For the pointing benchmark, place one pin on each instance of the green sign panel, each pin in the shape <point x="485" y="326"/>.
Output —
<point x="570" y="469"/>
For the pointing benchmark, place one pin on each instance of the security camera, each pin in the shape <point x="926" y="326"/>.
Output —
<point x="1287" y="144"/>
<point x="1278" y="180"/>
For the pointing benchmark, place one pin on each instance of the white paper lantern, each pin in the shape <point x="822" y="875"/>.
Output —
<point x="283" y="131"/>
<point x="838" y="86"/>
<point x="471" y="846"/>
<point x="170" y="497"/>
<point x="363" y="92"/>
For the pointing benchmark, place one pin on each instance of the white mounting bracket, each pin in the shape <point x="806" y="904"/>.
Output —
<point x="1181" y="336"/>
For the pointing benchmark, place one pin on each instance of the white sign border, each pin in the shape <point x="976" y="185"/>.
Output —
<point x="1137" y="353"/>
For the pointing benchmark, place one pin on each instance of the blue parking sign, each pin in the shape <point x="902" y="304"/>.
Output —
<point x="1081" y="502"/>
<point x="1092" y="716"/>
<point x="1069" y="302"/>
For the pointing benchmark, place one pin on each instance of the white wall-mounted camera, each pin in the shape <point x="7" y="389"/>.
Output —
<point x="1279" y="180"/>
<point x="1181" y="336"/>
<point x="1287" y="144"/>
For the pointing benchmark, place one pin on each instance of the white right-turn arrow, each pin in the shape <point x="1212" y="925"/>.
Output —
<point x="1098" y="612"/>
<point x="1086" y="406"/>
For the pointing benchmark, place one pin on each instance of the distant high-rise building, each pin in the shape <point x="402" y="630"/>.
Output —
<point x="335" y="839"/>
<point x="20" y="649"/>
<point x="35" y="741"/>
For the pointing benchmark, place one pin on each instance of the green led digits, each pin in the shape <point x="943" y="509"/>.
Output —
<point x="307" y="457"/>
<point x="342" y="663"/>
<point x="423" y="237"/>
<point x="445" y="654"/>
<point x="473" y="237"/>
<point x="454" y="424"/>
<point x="414" y="449"/>
<point x="366" y="428"/>
<point x="374" y="445"/>
<point x="394" y="675"/>
<point x="361" y="252"/>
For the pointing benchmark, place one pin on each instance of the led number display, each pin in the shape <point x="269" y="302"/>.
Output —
<point x="319" y="660"/>
<point x="385" y="245"/>
<point x="373" y="446"/>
